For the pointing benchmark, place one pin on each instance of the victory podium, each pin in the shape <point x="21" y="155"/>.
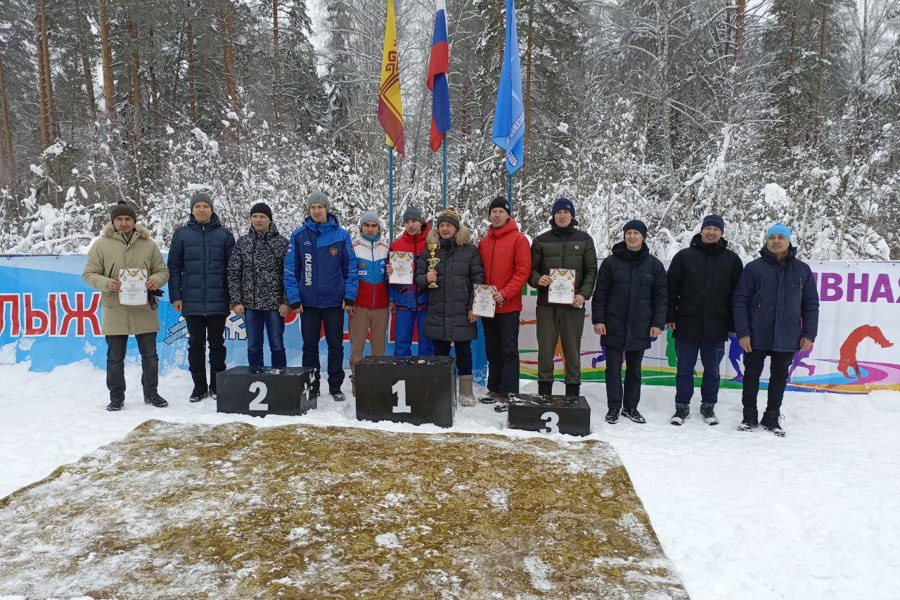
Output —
<point x="285" y="392"/>
<point x="557" y="414"/>
<point x="406" y="389"/>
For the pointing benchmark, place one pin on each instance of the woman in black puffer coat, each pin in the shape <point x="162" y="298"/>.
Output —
<point x="449" y="319"/>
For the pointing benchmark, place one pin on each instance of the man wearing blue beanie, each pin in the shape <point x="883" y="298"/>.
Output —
<point x="562" y="247"/>
<point x="776" y="314"/>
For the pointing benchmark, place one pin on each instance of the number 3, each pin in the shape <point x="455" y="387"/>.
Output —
<point x="261" y="391"/>
<point x="552" y="420"/>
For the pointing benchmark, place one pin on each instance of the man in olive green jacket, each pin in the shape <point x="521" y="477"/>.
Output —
<point x="563" y="247"/>
<point x="124" y="244"/>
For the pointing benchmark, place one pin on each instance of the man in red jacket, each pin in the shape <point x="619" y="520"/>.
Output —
<point x="506" y="254"/>
<point x="408" y="303"/>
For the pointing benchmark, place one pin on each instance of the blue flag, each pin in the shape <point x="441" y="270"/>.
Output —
<point x="509" y="116"/>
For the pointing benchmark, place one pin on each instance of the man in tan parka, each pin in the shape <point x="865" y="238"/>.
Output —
<point x="123" y="244"/>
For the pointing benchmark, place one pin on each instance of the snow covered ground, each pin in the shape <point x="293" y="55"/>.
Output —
<point x="743" y="516"/>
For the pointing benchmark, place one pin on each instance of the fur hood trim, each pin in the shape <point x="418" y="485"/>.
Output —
<point x="463" y="237"/>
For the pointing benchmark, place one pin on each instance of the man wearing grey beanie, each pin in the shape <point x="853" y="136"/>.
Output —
<point x="369" y="314"/>
<point x="320" y="277"/>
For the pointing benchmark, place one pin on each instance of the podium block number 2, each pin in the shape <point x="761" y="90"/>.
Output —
<point x="552" y="420"/>
<point x="401" y="406"/>
<point x="259" y="388"/>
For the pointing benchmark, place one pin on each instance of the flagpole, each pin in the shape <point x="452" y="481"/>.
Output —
<point x="444" y="145"/>
<point x="391" y="193"/>
<point x="509" y="192"/>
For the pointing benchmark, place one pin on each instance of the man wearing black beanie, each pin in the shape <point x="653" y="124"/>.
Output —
<point x="701" y="281"/>
<point x="628" y="311"/>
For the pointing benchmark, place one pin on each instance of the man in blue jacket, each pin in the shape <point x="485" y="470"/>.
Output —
<point x="320" y="277"/>
<point x="776" y="314"/>
<point x="198" y="289"/>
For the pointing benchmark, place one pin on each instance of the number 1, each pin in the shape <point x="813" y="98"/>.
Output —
<point x="401" y="406"/>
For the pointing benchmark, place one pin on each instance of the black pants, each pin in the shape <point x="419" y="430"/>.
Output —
<point x="778" y="374"/>
<point x="115" y="364"/>
<point x="632" y="395"/>
<point x="463" y="354"/>
<point x="312" y="320"/>
<point x="501" y="345"/>
<point x="203" y="329"/>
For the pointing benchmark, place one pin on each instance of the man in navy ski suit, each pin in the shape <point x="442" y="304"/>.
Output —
<point x="320" y="278"/>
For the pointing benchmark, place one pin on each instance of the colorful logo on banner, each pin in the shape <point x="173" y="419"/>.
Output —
<point x="50" y="317"/>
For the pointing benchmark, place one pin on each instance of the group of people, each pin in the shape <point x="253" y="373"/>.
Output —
<point x="322" y="271"/>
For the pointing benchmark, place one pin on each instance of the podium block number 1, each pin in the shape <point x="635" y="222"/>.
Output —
<point x="259" y="388"/>
<point x="401" y="406"/>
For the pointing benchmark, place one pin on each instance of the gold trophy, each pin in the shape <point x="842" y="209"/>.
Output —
<point x="433" y="263"/>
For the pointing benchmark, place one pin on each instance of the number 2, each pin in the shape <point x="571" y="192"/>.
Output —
<point x="401" y="406"/>
<point x="261" y="391"/>
<point x="552" y="420"/>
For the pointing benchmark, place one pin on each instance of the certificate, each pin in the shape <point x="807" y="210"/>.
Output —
<point x="133" y="287"/>
<point x="562" y="286"/>
<point x="484" y="304"/>
<point x="403" y="264"/>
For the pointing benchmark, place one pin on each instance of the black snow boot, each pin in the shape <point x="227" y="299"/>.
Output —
<point x="612" y="416"/>
<point x="200" y="387"/>
<point x="769" y="422"/>
<point x="115" y="404"/>
<point x="212" y="385"/>
<point x="573" y="389"/>
<point x="156" y="400"/>
<point x="682" y="413"/>
<point x="751" y="420"/>
<point x="634" y="415"/>
<point x="545" y="388"/>
<point x="708" y="413"/>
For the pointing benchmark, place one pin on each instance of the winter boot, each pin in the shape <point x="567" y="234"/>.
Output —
<point x="751" y="420"/>
<point x="682" y="413"/>
<point x="708" y="414"/>
<point x="156" y="400"/>
<point x="338" y="396"/>
<point x="200" y="387"/>
<point x="612" y="416"/>
<point x="212" y="385"/>
<point x="545" y="388"/>
<point x="634" y="415"/>
<point x="466" y="396"/>
<point x="573" y="390"/>
<point x="769" y="422"/>
<point x="115" y="404"/>
<point x="490" y="398"/>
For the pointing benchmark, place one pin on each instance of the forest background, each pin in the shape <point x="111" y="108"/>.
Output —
<point x="664" y="110"/>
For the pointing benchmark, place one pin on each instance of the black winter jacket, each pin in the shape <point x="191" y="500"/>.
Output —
<point x="630" y="298"/>
<point x="198" y="267"/>
<point x="564" y="248"/>
<point x="256" y="270"/>
<point x="457" y="273"/>
<point x="775" y="303"/>
<point x="702" y="278"/>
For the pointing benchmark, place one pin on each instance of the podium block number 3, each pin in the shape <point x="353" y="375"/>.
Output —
<point x="261" y="391"/>
<point x="401" y="406"/>
<point x="552" y="420"/>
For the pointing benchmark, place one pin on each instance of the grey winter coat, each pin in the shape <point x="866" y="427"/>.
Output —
<point x="256" y="270"/>
<point x="448" y="304"/>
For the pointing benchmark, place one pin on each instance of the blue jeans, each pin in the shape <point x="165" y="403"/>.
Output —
<point x="254" y="323"/>
<point x="711" y="354"/>
<point x="405" y="321"/>
<point x="312" y="320"/>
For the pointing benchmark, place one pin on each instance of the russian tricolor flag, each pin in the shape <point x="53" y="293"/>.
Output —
<point x="438" y="68"/>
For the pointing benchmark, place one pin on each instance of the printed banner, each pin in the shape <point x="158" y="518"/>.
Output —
<point x="50" y="317"/>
